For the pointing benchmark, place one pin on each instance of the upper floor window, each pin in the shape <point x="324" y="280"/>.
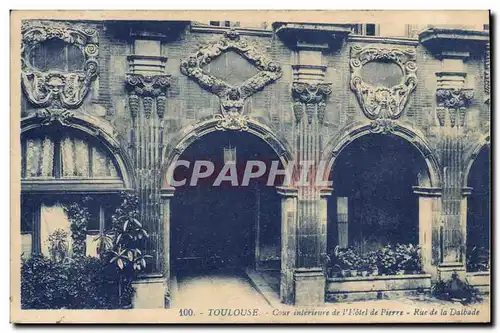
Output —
<point x="368" y="29"/>
<point x="55" y="54"/>
<point x="225" y="23"/>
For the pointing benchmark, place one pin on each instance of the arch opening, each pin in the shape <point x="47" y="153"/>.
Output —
<point x="226" y="227"/>
<point x="373" y="204"/>
<point x="479" y="213"/>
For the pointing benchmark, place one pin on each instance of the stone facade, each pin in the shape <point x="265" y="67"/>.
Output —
<point x="149" y="89"/>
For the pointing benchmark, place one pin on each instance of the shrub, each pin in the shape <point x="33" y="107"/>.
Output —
<point x="387" y="260"/>
<point x="455" y="289"/>
<point x="478" y="259"/>
<point x="78" y="283"/>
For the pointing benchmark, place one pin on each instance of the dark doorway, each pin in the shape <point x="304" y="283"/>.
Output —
<point x="373" y="203"/>
<point x="478" y="213"/>
<point x="216" y="227"/>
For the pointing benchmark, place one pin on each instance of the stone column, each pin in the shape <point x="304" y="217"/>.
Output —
<point x="147" y="104"/>
<point x="257" y="228"/>
<point x="310" y="93"/>
<point x="166" y="195"/>
<point x="288" y="243"/>
<point x="454" y="95"/>
<point x="325" y="193"/>
<point x="429" y="224"/>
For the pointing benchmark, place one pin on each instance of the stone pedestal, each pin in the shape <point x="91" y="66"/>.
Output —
<point x="309" y="286"/>
<point x="149" y="292"/>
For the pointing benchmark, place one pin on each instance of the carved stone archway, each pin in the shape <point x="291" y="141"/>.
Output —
<point x="188" y="136"/>
<point x="484" y="142"/>
<point x="429" y="184"/>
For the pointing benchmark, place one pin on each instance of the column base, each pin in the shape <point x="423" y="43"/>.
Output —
<point x="309" y="286"/>
<point x="446" y="270"/>
<point x="149" y="292"/>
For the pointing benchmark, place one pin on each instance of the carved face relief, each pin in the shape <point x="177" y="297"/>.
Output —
<point x="232" y="97"/>
<point x="380" y="102"/>
<point x="57" y="88"/>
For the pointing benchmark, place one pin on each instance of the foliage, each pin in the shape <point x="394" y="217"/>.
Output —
<point x="78" y="215"/>
<point x="128" y="241"/>
<point x="79" y="283"/>
<point x="408" y="258"/>
<point x="58" y="245"/>
<point x="455" y="289"/>
<point x="85" y="282"/>
<point x="478" y="259"/>
<point x="387" y="260"/>
<point x="129" y="235"/>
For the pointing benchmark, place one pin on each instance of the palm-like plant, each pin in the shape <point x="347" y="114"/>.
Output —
<point x="126" y="237"/>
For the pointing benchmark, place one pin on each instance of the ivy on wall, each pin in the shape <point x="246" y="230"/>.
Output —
<point x="79" y="215"/>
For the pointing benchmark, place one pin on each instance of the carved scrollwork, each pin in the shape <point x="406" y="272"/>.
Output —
<point x="378" y="102"/>
<point x="54" y="88"/>
<point x="454" y="103"/>
<point x="382" y="126"/>
<point x="232" y="98"/>
<point x="311" y="98"/>
<point x="235" y="122"/>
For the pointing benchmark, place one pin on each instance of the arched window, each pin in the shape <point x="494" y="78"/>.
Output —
<point x="57" y="169"/>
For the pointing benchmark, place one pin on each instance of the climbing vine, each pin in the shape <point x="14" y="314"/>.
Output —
<point x="79" y="215"/>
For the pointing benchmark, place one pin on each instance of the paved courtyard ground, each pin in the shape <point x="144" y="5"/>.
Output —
<point x="240" y="289"/>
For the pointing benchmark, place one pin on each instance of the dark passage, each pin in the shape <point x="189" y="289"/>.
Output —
<point x="478" y="213"/>
<point x="214" y="227"/>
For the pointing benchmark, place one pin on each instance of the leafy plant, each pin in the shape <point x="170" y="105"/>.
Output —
<point x="455" y="289"/>
<point x="58" y="245"/>
<point x="478" y="259"/>
<point x="129" y="237"/>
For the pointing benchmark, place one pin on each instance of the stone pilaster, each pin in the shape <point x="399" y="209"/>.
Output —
<point x="310" y="94"/>
<point x="147" y="103"/>
<point x="453" y="98"/>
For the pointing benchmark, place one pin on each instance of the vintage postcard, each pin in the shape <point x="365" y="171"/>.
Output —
<point x="250" y="167"/>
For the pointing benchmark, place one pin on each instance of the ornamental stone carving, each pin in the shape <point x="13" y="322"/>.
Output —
<point x="379" y="102"/>
<point x="452" y="104"/>
<point x="310" y="98"/>
<point x="232" y="98"/>
<point x="149" y="88"/>
<point x="53" y="88"/>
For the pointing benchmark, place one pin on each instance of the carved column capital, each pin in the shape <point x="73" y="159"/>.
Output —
<point x="149" y="88"/>
<point x="452" y="103"/>
<point x="310" y="97"/>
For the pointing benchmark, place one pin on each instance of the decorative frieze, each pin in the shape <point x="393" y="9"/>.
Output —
<point x="54" y="88"/>
<point x="310" y="98"/>
<point x="232" y="98"/>
<point x="378" y="102"/>
<point x="452" y="104"/>
<point x="149" y="88"/>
